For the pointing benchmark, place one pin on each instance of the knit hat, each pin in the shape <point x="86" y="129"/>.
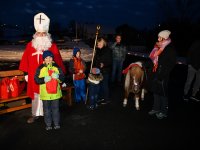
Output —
<point x="75" y="50"/>
<point x="46" y="54"/>
<point x="95" y="71"/>
<point x="164" y="34"/>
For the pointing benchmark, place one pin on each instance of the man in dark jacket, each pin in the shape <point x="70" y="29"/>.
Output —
<point x="163" y="57"/>
<point x="193" y="72"/>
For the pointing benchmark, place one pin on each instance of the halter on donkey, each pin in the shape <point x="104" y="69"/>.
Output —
<point x="134" y="83"/>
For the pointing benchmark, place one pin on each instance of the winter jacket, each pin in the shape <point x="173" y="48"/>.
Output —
<point x="42" y="72"/>
<point x="95" y="79"/>
<point x="118" y="51"/>
<point x="166" y="63"/>
<point x="75" y="65"/>
<point x="104" y="56"/>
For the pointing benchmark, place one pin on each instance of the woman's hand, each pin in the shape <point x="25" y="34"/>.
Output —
<point x="101" y="65"/>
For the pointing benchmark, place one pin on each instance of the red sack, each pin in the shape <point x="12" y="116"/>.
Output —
<point x="52" y="85"/>
<point x="14" y="87"/>
<point x="22" y="86"/>
<point x="50" y="72"/>
<point x="5" y="88"/>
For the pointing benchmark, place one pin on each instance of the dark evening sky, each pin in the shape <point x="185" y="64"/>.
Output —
<point x="137" y="13"/>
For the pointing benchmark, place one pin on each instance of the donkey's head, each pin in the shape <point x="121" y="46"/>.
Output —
<point x="136" y="75"/>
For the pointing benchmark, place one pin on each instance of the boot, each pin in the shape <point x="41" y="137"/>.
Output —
<point x="32" y="119"/>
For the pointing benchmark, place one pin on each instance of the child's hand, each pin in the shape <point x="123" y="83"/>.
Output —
<point x="55" y="75"/>
<point x="81" y="71"/>
<point x="47" y="79"/>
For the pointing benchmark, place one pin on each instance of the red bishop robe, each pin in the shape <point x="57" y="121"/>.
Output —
<point x="29" y="63"/>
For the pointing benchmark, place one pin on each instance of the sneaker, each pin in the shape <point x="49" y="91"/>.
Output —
<point x="161" y="115"/>
<point x="186" y="98"/>
<point x="56" y="127"/>
<point x="100" y="100"/>
<point x="153" y="112"/>
<point x="104" y="102"/>
<point x="91" y="107"/>
<point x="32" y="119"/>
<point x="195" y="98"/>
<point x="48" y="128"/>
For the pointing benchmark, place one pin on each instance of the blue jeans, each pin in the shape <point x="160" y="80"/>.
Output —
<point x="117" y="70"/>
<point x="160" y="103"/>
<point x="80" y="91"/>
<point x="93" y="93"/>
<point x="51" y="112"/>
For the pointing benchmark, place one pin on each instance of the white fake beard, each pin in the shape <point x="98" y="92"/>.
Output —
<point x="42" y="43"/>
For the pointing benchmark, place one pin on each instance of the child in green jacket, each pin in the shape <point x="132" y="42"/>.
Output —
<point x="49" y="76"/>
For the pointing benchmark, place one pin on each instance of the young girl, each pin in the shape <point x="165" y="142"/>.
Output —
<point x="94" y="79"/>
<point x="48" y="72"/>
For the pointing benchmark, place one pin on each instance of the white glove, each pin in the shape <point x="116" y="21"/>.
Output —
<point x="26" y="78"/>
<point x="47" y="79"/>
<point x="64" y="85"/>
<point x="55" y="75"/>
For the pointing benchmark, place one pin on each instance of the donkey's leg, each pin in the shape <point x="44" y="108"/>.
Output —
<point x="142" y="94"/>
<point x="125" y="98"/>
<point x="125" y="102"/>
<point x="137" y="106"/>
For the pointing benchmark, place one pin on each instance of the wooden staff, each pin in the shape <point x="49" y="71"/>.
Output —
<point x="93" y="53"/>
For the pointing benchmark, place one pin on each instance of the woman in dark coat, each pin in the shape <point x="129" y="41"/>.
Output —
<point x="103" y="60"/>
<point x="164" y="58"/>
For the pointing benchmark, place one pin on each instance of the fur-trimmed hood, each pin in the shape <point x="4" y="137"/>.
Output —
<point x="95" y="78"/>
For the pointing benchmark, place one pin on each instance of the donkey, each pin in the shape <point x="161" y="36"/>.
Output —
<point x="134" y="83"/>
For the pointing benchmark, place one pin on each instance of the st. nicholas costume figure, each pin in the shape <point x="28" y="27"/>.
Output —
<point x="32" y="58"/>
